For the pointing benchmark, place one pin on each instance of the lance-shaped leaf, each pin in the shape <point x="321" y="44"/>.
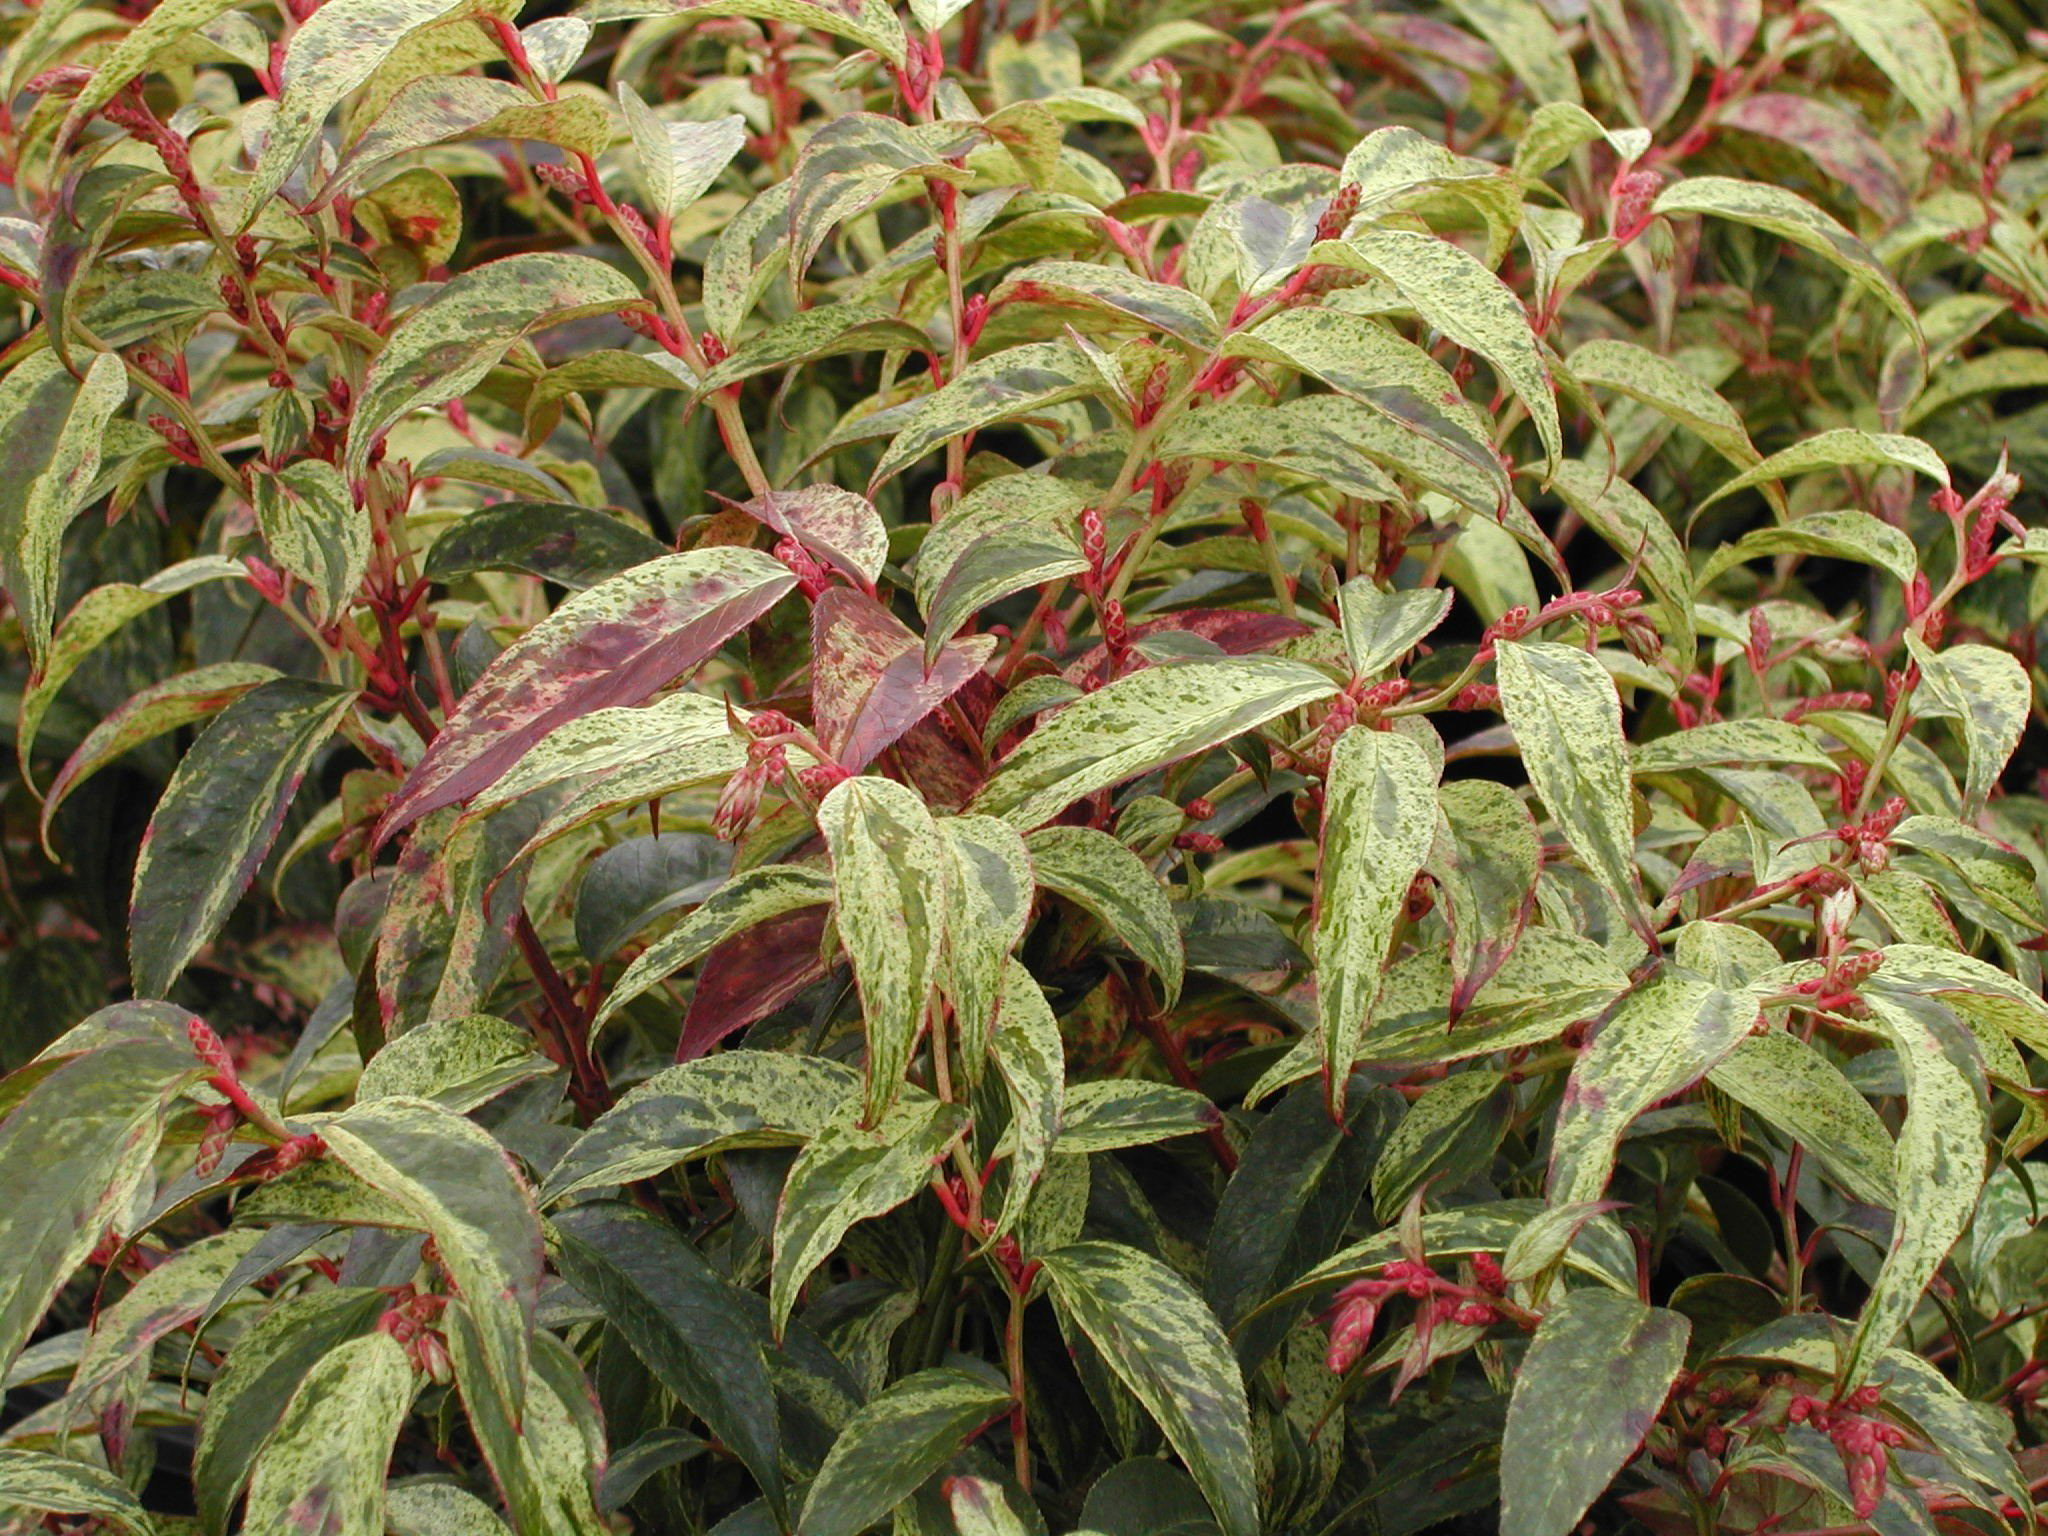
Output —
<point x="853" y="161"/>
<point x="750" y="898"/>
<point x="1105" y="1116"/>
<point x="1668" y="389"/>
<point x="1382" y="627"/>
<point x="1486" y="861"/>
<point x="1031" y="1058"/>
<point x="1587" y="1393"/>
<point x="1379" y="819"/>
<point x="848" y="1174"/>
<point x="315" y="531"/>
<point x="1636" y="530"/>
<point x="41" y="1483"/>
<point x="1113" y="290"/>
<point x="1528" y="41"/>
<point x="988" y="898"/>
<point x="1904" y="40"/>
<point x="443" y="349"/>
<point x="1835" y="139"/>
<point x="1853" y="536"/>
<point x="1986" y="692"/>
<point x="1725" y="28"/>
<point x="171" y="1295"/>
<point x="693" y="1330"/>
<point x="1665" y="1035"/>
<point x="606" y="741"/>
<point x="1450" y="1133"/>
<point x="571" y="546"/>
<point x="323" y="1467"/>
<point x="1566" y="718"/>
<point x="1330" y="438"/>
<point x="616" y="644"/>
<point x="1790" y="217"/>
<point x="1455" y="293"/>
<point x="52" y="432"/>
<point x="218" y="818"/>
<point x="1006" y="386"/>
<point x="1842" y="448"/>
<point x="1101" y="876"/>
<point x="461" y="1188"/>
<point x="889" y="870"/>
<point x="1007" y="534"/>
<point x="449" y="109"/>
<point x="1792" y="1087"/>
<point x="842" y="529"/>
<point x="1732" y="743"/>
<point x="809" y="336"/>
<point x="458" y="1063"/>
<point x="1938" y="1161"/>
<point x="1163" y="1344"/>
<point x="679" y="160"/>
<point x="870" y="23"/>
<point x="871" y="682"/>
<point x="737" y="1098"/>
<point x="887" y="1449"/>
<point x="543" y="1461"/>
<point x="1142" y="722"/>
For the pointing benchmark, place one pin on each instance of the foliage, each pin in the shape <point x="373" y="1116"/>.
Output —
<point x="781" y="766"/>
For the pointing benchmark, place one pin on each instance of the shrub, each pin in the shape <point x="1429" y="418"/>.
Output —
<point x="1204" y="769"/>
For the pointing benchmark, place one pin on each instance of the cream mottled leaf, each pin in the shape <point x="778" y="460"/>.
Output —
<point x="870" y="23"/>
<point x="1639" y="534"/>
<point x="842" y="529"/>
<point x="218" y="818"/>
<point x="444" y="109"/>
<point x="323" y="1467"/>
<point x="1486" y="861"/>
<point x="1661" y="384"/>
<point x="1004" y="386"/>
<point x="1379" y="819"/>
<point x="1142" y="722"/>
<point x="1007" y="534"/>
<point x="988" y="897"/>
<point x="1841" y="448"/>
<point x="460" y="1063"/>
<point x="810" y="335"/>
<point x="1130" y="1112"/>
<point x="1102" y="876"/>
<point x="1175" y="311"/>
<point x="1528" y="43"/>
<point x="1031" y="1059"/>
<point x="1321" y="437"/>
<point x="315" y="532"/>
<point x="679" y="160"/>
<point x="1559" y="128"/>
<point x="909" y="1431"/>
<point x="1734" y="743"/>
<point x="1905" y="40"/>
<point x="42" y="1483"/>
<point x="1792" y="1087"/>
<point x="1162" y="1342"/>
<point x="1987" y="693"/>
<point x="607" y="741"/>
<point x="1566" y="718"/>
<point x="890" y="870"/>
<point x="1382" y="627"/>
<point x="1847" y="535"/>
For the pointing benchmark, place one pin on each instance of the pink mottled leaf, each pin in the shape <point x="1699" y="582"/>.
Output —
<point x="870" y="683"/>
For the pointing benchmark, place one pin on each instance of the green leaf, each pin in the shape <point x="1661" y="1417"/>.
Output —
<point x="871" y="23"/>
<point x="853" y="162"/>
<point x="848" y="1174"/>
<point x="690" y="1328"/>
<point x="889" y="870"/>
<point x="315" y="532"/>
<point x="1528" y="43"/>
<point x="1113" y="290"/>
<point x="1566" y="718"/>
<point x="1106" y="1116"/>
<point x="1103" y="877"/>
<point x="322" y="1469"/>
<point x="988" y="895"/>
<point x="460" y="1187"/>
<point x="444" y="109"/>
<point x="458" y="1063"/>
<point x="606" y="741"/>
<point x="1587" y="1393"/>
<point x="1139" y="723"/>
<point x="1163" y="1344"/>
<point x="811" y="335"/>
<point x="1486" y="861"/>
<point x="574" y="547"/>
<point x="737" y="1098"/>
<point x="1382" y="627"/>
<point x="1451" y="1132"/>
<point x="1842" y="448"/>
<point x="1007" y="386"/>
<point x="1032" y="1060"/>
<point x="1938" y="1164"/>
<point x="173" y="1294"/>
<point x="679" y="160"/>
<point x="218" y="818"/>
<point x="1908" y="44"/>
<point x="1734" y="743"/>
<point x="442" y="349"/>
<point x="1791" y="1086"/>
<point x="1666" y="1034"/>
<point x="1851" y="535"/>
<point x="613" y="645"/>
<point x="1636" y="531"/>
<point x="887" y="1449"/>
<point x="53" y="428"/>
<point x="1987" y="693"/>
<point x="1327" y="438"/>
<point x="1666" y="388"/>
<point x="1379" y="820"/>
<point x="1790" y="217"/>
<point x="1006" y="535"/>
<point x="37" y="1482"/>
<point x="1455" y="294"/>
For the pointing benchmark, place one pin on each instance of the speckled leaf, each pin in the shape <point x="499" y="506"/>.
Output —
<point x="315" y="532"/>
<point x="1849" y="535"/>
<point x="52" y="432"/>
<point x="694" y="1331"/>
<point x="737" y="1098"/>
<point x="449" y="109"/>
<point x="1089" y="285"/>
<point x="848" y="1174"/>
<point x="546" y="1462"/>
<point x="157" y="710"/>
<point x="1987" y="693"/>
<point x="1905" y="41"/>
<point x="1002" y="387"/>
<point x="1938" y="1163"/>
<point x="1664" y="1036"/>
<point x="443" y="349"/>
<point x="614" y="645"/>
<point x="608" y="740"/>
<point x="842" y="529"/>
<point x="1379" y="819"/>
<point x="812" y="334"/>
<point x="1636" y="531"/>
<point x="748" y="899"/>
<point x="133" y="49"/>
<point x="1586" y="1394"/>
<point x="871" y="23"/>
<point x="1566" y="718"/>
<point x="41" y="1483"/>
<point x="1842" y="448"/>
<point x="574" y="547"/>
<point x="709" y="762"/>
<point x="1448" y="1134"/>
<point x="853" y="161"/>
<point x="438" y="1509"/>
<point x="322" y="1470"/>
<point x="218" y="818"/>
<point x="164" y="1300"/>
<point x="1458" y="296"/>
<point x="988" y="898"/>
<point x="1835" y="139"/>
<point x="1792" y="1087"/>
<point x="886" y="1450"/>
<point x="1010" y="533"/>
<point x="1382" y="627"/>
<point x="1163" y="1344"/>
<point x="1103" y="877"/>
<point x="1661" y="384"/>
<point x="890" y="869"/>
<point x="1030" y="1056"/>
<point x="1725" y="28"/>
<point x="1142" y="722"/>
<point x="1736" y="743"/>
<point x="1486" y="861"/>
<point x="1558" y="129"/>
<point x="458" y="1063"/>
<point x="1319" y="436"/>
<point x="871" y="682"/>
<point x="461" y="1188"/>
<point x="679" y="160"/>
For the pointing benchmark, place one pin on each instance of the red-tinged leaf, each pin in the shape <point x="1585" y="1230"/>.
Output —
<point x="840" y="528"/>
<point x="1836" y="140"/>
<point x="1234" y="631"/>
<point x="869" y="681"/>
<point x="616" y="644"/>
<point x="743" y="981"/>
